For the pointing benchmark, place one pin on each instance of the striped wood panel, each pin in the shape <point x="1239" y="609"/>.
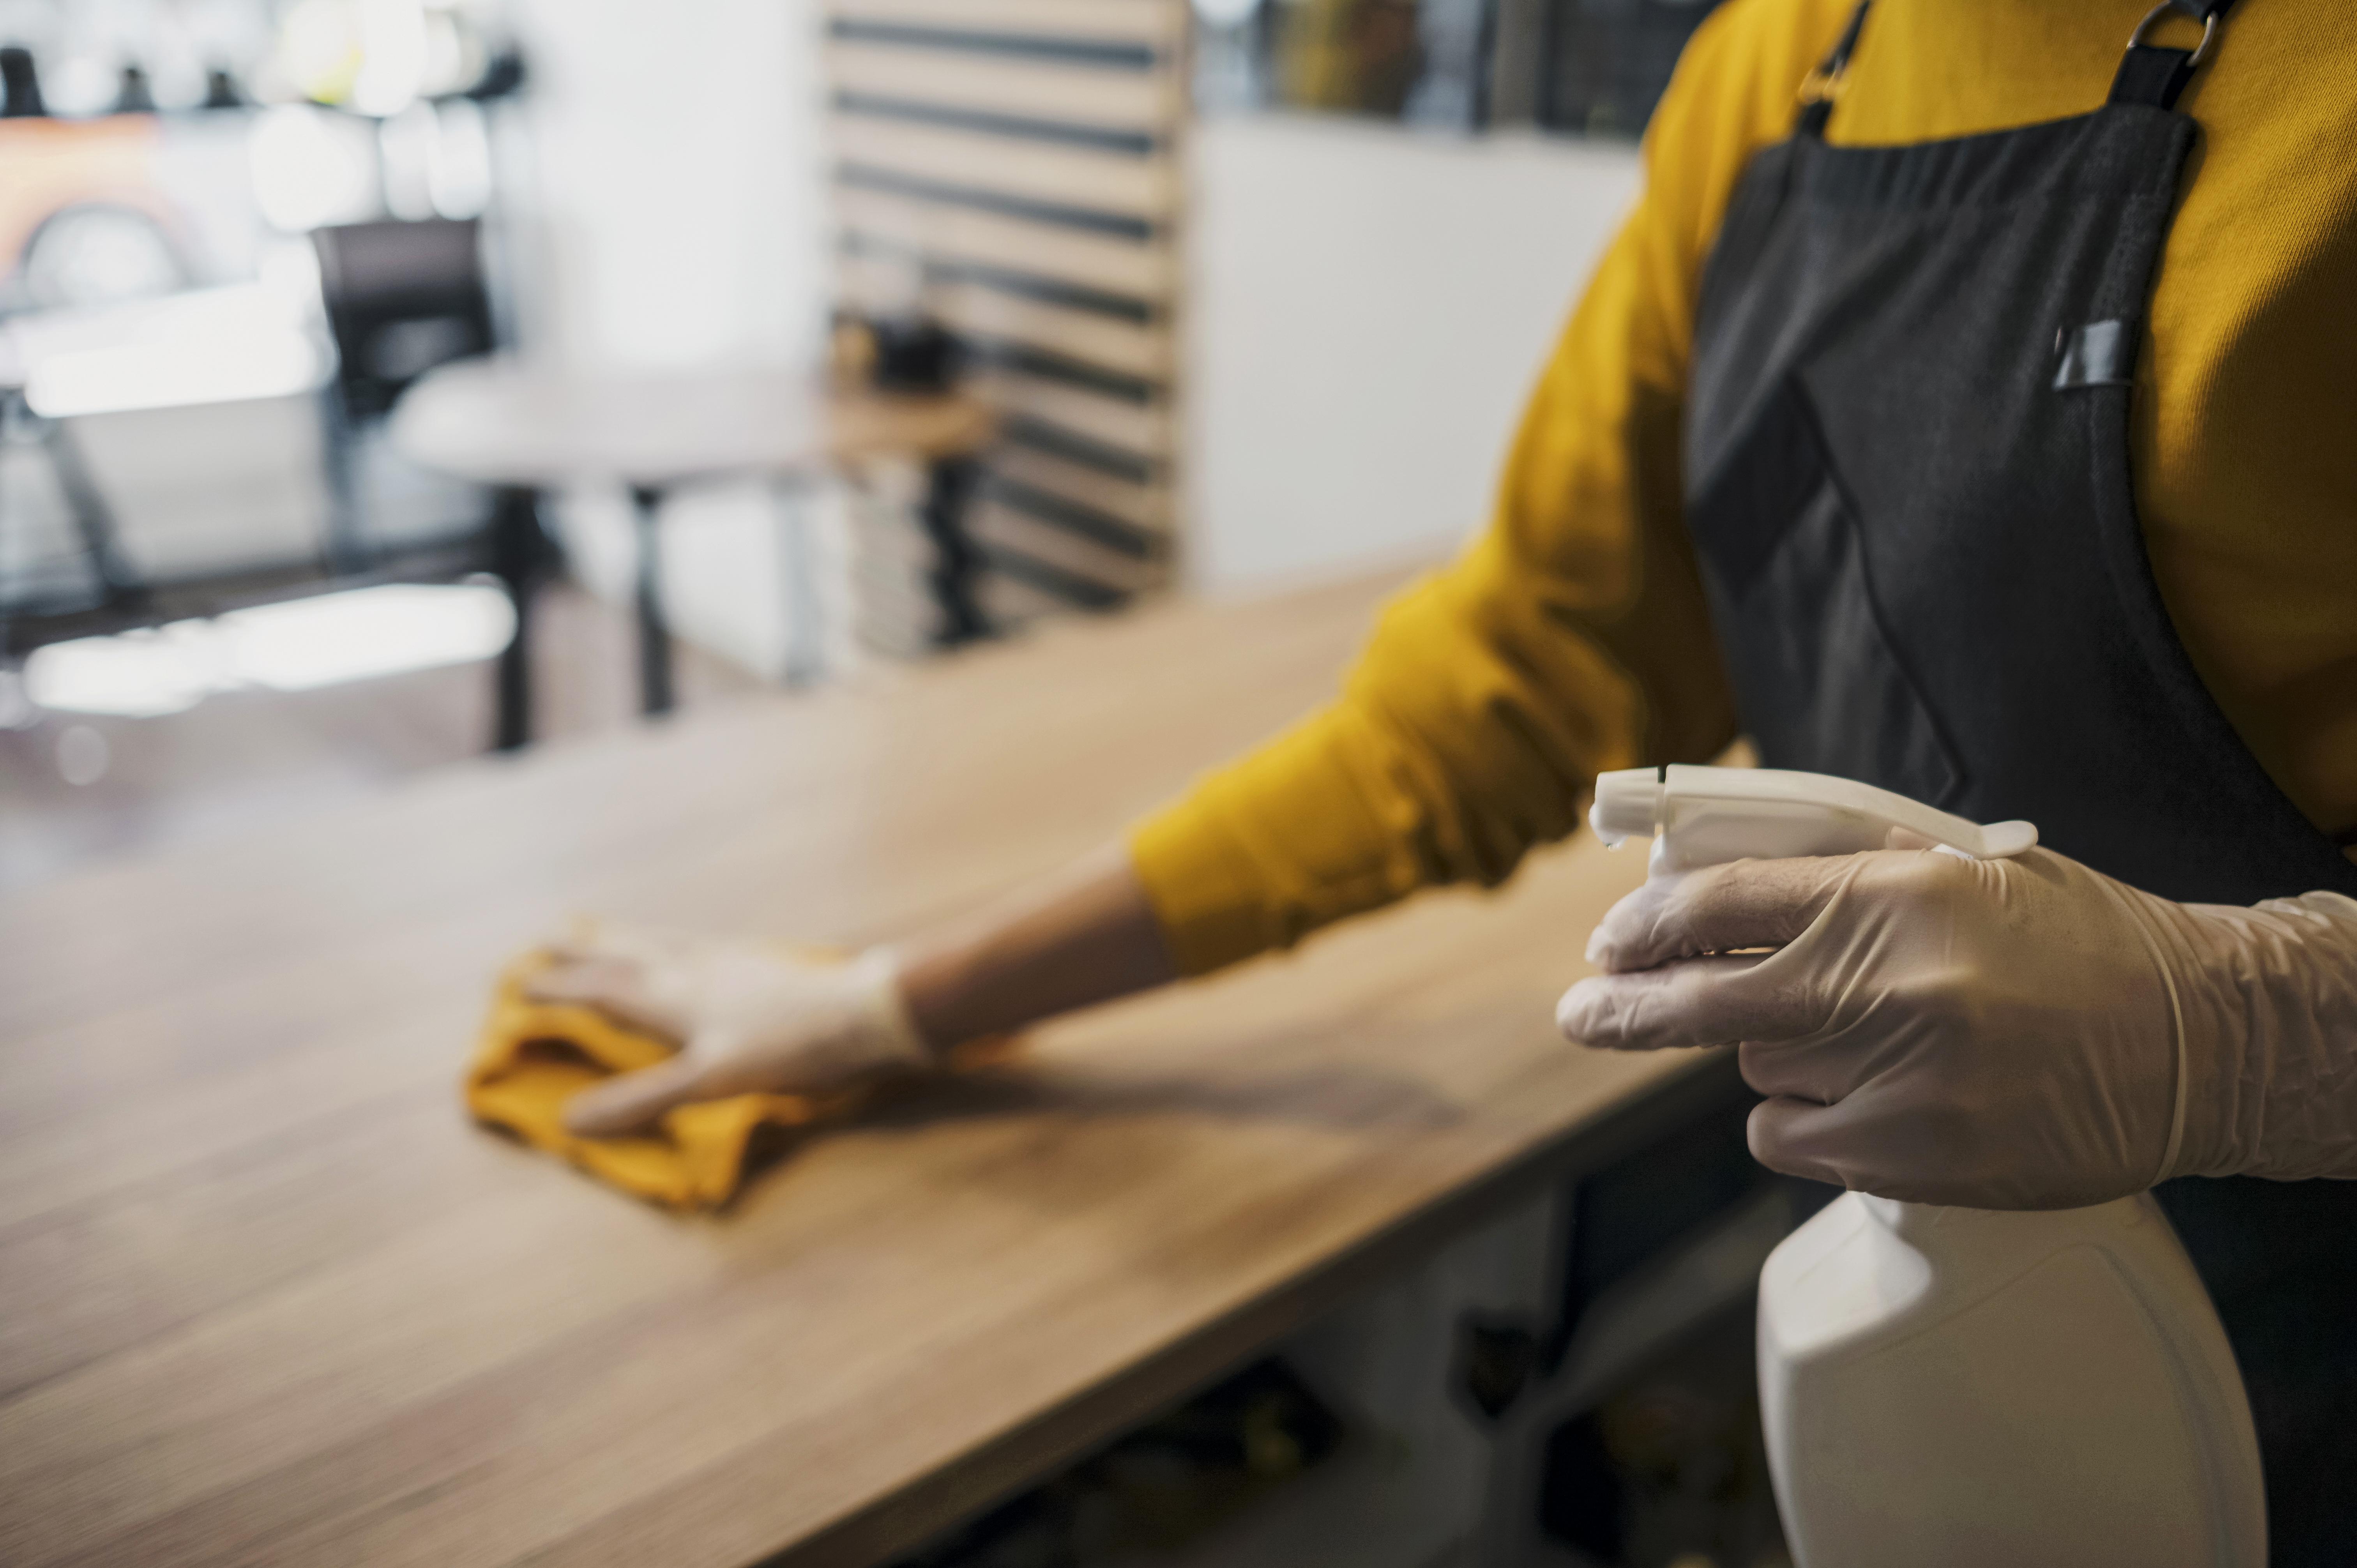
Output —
<point x="993" y="313"/>
<point x="1154" y="23"/>
<point x="1010" y="602"/>
<point x="963" y="235"/>
<point x="1024" y="153"/>
<point x="1050" y="101"/>
<point x="996" y="526"/>
<point x="1120" y="186"/>
<point x="1140" y="424"/>
<point x="1144" y="506"/>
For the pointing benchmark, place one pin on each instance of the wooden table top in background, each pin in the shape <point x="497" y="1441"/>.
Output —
<point x="509" y="421"/>
<point x="267" y="1298"/>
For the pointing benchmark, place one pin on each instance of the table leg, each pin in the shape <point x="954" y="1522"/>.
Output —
<point x="517" y="552"/>
<point x="654" y="638"/>
<point x="339" y="437"/>
<point x="956" y="561"/>
<point x="92" y="518"/>
<point x="796" y="501"/>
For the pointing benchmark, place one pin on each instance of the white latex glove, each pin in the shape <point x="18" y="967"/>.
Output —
<point x="2001" y="1034"/>
<point x="747" y="1016"/>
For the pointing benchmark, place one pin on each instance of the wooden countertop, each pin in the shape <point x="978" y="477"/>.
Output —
<point x="267" y="1298"/>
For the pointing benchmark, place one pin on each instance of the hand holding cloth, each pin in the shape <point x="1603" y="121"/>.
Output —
<point x="659" y="1061"/>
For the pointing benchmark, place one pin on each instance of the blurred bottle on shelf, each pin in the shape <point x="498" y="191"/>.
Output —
<point x="380" y="58"/>
<point x="20" y="85"/>
<point x="133" y="95"/>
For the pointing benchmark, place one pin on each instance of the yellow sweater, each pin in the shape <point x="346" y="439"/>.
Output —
<point x="1572" y="636"/>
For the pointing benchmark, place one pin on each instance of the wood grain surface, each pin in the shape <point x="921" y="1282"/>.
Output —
<point x="267" y="1298"/>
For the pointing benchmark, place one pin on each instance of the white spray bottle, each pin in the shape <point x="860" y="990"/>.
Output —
<point x="1961" y="1388"/>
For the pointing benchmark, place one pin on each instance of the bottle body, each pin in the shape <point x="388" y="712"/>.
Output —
<point x="1952" y="1386"/>
<point x="1957" y="1388"/>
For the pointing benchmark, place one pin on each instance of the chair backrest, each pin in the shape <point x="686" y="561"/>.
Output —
<point x="401" y="297"/>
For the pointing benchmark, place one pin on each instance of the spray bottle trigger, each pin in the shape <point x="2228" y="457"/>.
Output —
<point x="2003" y="840"/>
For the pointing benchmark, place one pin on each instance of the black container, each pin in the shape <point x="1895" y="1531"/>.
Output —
<point x="915" y="354"/>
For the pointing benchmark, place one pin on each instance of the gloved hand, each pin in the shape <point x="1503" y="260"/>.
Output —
<point x="2000" y="1034"/>
<point x="746" y="1016"/>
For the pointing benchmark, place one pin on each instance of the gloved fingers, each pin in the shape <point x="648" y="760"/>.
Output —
<point x="1709" y="1001"/>
<point x="589" y="979"/>
<point x="615" y="987"/>
<point x="590" y="937"/>
<point x="629" y="1102"/>
<point x="1791" y="1136"/>
<point x="1901" y="1146"/>
<point x="1716" y="909"/>
<point x="1819" y="1071"/>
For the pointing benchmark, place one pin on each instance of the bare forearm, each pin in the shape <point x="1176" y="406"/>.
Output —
<point x="1087" y="936"/>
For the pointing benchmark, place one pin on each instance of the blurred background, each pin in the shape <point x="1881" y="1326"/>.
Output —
<point x="384" y="382"/>
<point x="1249" y="291"/>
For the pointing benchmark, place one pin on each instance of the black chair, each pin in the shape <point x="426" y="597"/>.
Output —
<point x="86" y="253"/>
<point x="401" y="298"/>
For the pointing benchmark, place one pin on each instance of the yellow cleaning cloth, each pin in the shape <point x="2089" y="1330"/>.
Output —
<point x="536" y="1056"/>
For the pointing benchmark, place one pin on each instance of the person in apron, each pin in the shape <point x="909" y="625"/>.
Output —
<point x="1908" y="480"/>
<point x="1865" y="492"/>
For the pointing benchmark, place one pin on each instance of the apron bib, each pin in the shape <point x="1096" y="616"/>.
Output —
<point x="1908" y="478"/>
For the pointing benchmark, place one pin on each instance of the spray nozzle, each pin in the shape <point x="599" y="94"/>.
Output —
<point x="1628" y="805"/>
<point x="1701" y="816"/>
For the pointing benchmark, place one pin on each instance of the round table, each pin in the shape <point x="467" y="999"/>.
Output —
<point x="520" y="426"/>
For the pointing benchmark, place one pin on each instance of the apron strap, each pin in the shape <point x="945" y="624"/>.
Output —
<point x="1823" y="84"/>
<point x="2155" y="76"/>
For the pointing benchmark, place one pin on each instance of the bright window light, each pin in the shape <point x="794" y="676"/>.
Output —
<point x="460" y="176"/>
<point x="83" y="83"/>
<point x="319" y="48"/>
<point x="407" y="141"/>
<point x="394" y="47"/>
<point x="312" y="167"/>
<point x="209" y="345"/>
<point x="1226" y="13"/>
<point x="367" y="632"/>
<point x="138" y="675"/>
<point x="278" y="363"/>
<point x="300" y="646"/>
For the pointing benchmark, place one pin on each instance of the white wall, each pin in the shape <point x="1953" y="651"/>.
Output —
<point x="678" y="186"/>
<point x="1368" y="307"/>
<point x="679" y="217"/>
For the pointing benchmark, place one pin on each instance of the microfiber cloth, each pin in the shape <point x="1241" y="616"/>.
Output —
<point x="536" y="1056"/>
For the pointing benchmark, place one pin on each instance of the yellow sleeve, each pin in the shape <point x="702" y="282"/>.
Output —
<point x="1571" y="637"/>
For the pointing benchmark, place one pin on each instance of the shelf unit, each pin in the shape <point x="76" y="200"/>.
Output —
<point x="1023" y="157"/>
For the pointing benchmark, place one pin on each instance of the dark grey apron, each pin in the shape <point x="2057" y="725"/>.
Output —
<point x="1907" y="466"/>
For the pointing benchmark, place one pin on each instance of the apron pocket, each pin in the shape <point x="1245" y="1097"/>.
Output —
<point x="1819" y="685"/>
